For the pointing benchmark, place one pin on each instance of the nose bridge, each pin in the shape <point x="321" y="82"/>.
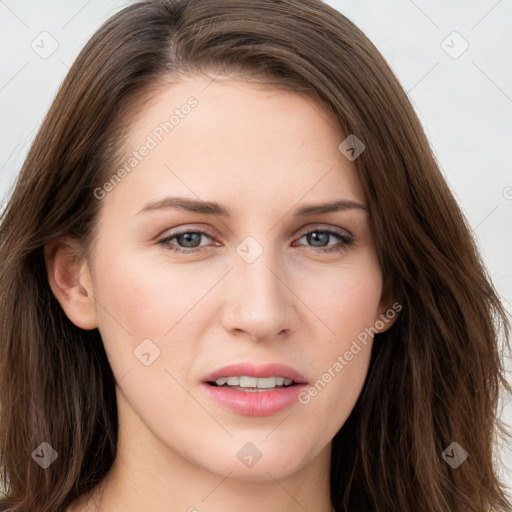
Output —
<point x="259" y="304"/>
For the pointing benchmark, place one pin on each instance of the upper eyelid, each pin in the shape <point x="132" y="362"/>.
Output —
<point x="321" y="227"/>
<point x="299" y="232"/>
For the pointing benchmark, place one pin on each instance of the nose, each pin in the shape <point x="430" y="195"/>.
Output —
<point x="259" y="303"/>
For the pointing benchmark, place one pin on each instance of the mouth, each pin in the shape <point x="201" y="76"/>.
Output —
<point x="252" y="389"/>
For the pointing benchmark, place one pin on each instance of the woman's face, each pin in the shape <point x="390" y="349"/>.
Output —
<point x="182" y="292"/>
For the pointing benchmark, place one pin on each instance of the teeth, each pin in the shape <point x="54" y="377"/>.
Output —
<point x="253" y="382"/>
<point x="250" y="382"/>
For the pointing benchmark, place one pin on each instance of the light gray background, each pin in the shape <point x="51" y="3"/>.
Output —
<point x="464" y="101"/>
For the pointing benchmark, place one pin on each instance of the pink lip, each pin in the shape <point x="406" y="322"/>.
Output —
<point x="255" y="403"/>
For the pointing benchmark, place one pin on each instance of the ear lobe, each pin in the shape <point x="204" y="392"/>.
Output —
<point x="388" y="315"/>
<point x="70" y="280"/>
<point x="388" y="309"/>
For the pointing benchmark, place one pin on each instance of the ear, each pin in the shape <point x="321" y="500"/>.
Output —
<point x="70" y="280"/>
<point x="388" y="311"/>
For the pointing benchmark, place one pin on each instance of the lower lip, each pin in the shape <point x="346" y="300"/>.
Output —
<point x="255" y="403"/>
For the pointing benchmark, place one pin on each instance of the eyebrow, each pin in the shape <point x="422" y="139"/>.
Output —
<point x="212" y="208"/>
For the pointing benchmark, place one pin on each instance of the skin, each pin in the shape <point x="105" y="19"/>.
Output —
<point x="261" y="152"/>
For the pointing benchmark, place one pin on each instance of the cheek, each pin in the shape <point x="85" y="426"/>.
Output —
<point x="147" y="299"/>
<point x="139" y="301"/>
<point x="347" y="305"/>
<point x="137" y="305"/>
<point x="346" y="299"/>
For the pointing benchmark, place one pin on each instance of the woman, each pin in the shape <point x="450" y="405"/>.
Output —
<point x="234" y="278"/>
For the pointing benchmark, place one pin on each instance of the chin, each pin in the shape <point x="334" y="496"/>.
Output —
<point x="271" y="464"/>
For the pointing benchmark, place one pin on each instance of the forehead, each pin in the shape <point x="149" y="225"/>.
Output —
<point x="229" y="140"/>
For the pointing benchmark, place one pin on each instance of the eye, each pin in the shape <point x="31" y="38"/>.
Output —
<point x="190" y="239"/>
<point x="319" y="237"/>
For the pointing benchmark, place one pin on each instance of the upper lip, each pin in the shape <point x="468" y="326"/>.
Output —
<point x="256" y="370"/>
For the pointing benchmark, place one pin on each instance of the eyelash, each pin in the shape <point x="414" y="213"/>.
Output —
<point x="346" y="240"/>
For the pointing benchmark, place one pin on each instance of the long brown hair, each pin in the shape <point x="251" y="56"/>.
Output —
<point x="434" y="376"/>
